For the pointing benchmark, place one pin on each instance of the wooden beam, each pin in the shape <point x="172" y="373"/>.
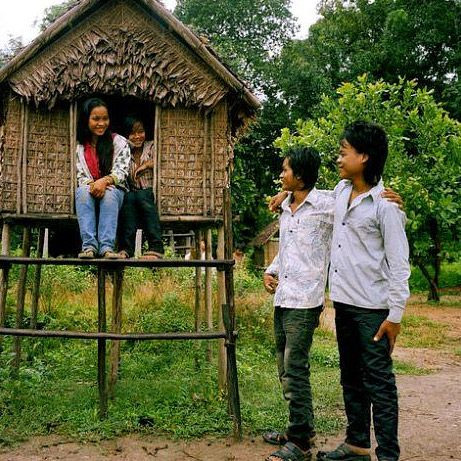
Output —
<point x="222" y="360"/>
<point x="102" y="326"/>
<point x="117" y="295"/>
<point x="208" y="290"/>
<point x="21" y="296"/>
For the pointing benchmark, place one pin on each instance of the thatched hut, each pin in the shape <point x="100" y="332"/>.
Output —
<point x="138" y="57"/>
<point x="266" y="245"/>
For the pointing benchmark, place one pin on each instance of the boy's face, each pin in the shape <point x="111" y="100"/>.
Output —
<point x="351" y="163"/>
<point x="289" y="181"/>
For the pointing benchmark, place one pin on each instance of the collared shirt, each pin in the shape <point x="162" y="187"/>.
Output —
<point x="369" y="256"/>
<point x="145" y="179"/>
<point x="301" y="264"/>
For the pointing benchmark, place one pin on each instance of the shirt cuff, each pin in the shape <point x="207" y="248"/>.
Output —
<point x="395" y="315"/>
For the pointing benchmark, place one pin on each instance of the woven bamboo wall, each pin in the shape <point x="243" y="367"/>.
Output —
<point x="48" y="172"/>
<point x="11" y="153"/>
<point x="193" y="161"/>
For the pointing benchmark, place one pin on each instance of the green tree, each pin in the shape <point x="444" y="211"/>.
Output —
<point x="387" y="39"/>
<point x="247" y="34"/>
<point x="424" y="163"/>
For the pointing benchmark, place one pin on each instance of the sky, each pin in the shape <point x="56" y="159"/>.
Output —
<point x="17" y="17"/>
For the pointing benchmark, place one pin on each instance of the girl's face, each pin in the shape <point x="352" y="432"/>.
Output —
<point x="98" y="121"/>
<point x="137" y="135"/>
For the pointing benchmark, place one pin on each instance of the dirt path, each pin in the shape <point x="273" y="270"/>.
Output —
<point x="430" y="424"/>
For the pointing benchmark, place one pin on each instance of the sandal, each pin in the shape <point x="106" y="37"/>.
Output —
<point x="341" y="453"/>
<point x="280" y="438"/>
<point x="87" y="254"/>
<point x="290" y="452"/>
<point x="109" y="254"/>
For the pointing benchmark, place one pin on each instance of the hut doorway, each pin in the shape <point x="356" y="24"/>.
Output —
<point x="121" y="107"/>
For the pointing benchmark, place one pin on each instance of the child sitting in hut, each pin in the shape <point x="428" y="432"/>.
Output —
<point x="139" y="209"/>
<point x="102" y="168"/>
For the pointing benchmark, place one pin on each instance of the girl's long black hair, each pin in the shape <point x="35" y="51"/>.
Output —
<point x="105" y="146"/>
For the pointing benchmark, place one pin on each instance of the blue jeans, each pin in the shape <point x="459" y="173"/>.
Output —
<point x="97" y="218"/>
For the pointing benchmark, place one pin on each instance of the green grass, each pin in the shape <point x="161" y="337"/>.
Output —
<point x="419" y="331"/>
<point x="164" y="387"/>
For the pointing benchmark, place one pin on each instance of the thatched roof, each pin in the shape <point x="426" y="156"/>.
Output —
<point x="128" y="48"/>
<point x="266" y="234"/>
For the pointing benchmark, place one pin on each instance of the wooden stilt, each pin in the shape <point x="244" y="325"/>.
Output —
<point x="229" y="322"/>
<point x="21" y="296"/>
<point x="198" y="281"/>
<point x="4" y="272"/>
<point x="37" y="277"/>
<point x="209" y="292"/>
<point x="116" y="328"/>
<point x="222" y="362"/>
<point x="102" y="327"/>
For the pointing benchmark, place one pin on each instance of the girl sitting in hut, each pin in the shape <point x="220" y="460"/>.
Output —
<point x="139" y="210"/>
<point x="102" y="167"/>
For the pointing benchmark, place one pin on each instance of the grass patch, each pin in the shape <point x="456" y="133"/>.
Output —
<point x="164" y="387"/>
<point x="405" y="368"/>
<point x="419" y="331"/>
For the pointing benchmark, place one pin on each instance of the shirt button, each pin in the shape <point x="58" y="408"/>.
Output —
<point x="339" y="246"/>
<point x="286" y="276"/>
<point x="336" y="270"/>
<point x="344" y="223"/>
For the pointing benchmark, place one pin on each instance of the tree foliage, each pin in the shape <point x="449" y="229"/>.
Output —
<point x="387" y="39"/>
<point x="54" y="12"/>
<point x="424" y="163"/>
<point x="247" y="34"/>
<point x="10" y="50"/>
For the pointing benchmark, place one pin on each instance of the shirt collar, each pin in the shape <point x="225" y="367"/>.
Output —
<point x="374" y="192"/>
<point x="312" y="197"/>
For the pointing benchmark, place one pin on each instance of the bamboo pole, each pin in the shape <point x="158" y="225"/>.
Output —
<point x="72" y="148"/>
<point x="21" y="295"/>
<point x="156" y="181"/>
<point x="212" y="166"/>
<point x="198" y="280"/>
<point x="24" y="158"/>
<point x="19" y="162"/>
<point x="117" y="294"/>
<point x="102" y="327"/>
<point x="204" y="164"/>
<point x="4" y="275"/>
<point x="229" y="322"/>
<point x="222" y="362"/>
<point x="37" y="277"/>
<point x="208" y="291"/>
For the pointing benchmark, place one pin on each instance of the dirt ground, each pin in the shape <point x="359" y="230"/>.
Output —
<point x="430" y="420"/>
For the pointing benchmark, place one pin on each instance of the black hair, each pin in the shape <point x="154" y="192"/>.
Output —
<point x="129" y="122"/>
<point x="105" y="145"/>
<point x="305" y="163"/>
<point x="371" y="139"/>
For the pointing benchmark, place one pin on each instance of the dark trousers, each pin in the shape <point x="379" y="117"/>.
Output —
<point x="139" y="211"/>
<point x="367" y="380"/>
<point x="294" y="330"/>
